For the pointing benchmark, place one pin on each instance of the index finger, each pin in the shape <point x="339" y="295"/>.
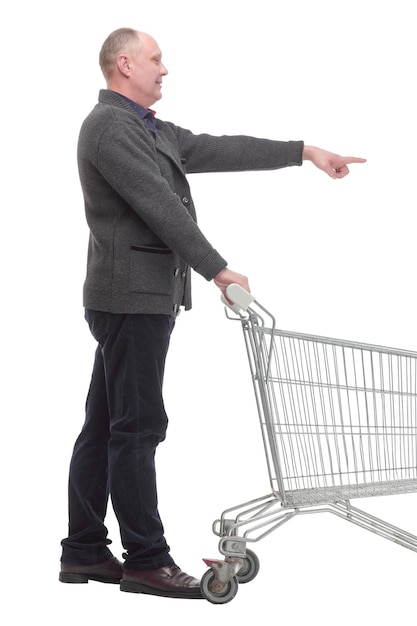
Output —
<point x="347" y="160"/>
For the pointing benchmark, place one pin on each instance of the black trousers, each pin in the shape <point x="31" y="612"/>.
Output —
<point x="115" y="452"/>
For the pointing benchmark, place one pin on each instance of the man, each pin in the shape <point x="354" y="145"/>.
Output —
<point x="144" y="239"/>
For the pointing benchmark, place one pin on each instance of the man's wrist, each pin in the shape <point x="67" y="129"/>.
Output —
<point x="308" y="153"/>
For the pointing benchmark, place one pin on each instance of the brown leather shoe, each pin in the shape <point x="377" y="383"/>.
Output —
<point x="169" y="581"/>
<point x="110" y="571"/>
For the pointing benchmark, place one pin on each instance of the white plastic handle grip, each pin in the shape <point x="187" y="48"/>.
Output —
<point x="241" y="298"/>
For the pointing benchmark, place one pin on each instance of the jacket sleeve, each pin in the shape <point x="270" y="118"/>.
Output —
<point x="236" y="153"/>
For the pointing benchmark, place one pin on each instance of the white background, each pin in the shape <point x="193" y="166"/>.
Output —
<point x="326" y="257"/>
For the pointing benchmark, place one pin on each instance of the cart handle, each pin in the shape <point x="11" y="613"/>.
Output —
<point x="241" y="298"/>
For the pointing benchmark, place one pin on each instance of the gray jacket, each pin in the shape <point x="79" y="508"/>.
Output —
<point x="144" y="236"/>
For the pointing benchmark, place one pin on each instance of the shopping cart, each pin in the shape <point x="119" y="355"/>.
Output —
<point x="338" y="422"/>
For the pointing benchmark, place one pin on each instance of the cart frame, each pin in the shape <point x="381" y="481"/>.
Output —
<point x="338" y="421"/>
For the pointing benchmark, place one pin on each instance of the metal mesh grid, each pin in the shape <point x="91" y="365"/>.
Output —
<point x="338" y="418"/>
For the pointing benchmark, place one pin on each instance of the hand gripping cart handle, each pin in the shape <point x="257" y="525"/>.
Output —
<point x="338" y="421"/>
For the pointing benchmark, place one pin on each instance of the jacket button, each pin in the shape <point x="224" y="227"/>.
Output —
<point x="186" y="200"/>
<point x="176" y="271"/>
<point x="183" y="274"/>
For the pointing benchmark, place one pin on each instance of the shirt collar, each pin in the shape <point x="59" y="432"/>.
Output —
<point x="147" y="115"/>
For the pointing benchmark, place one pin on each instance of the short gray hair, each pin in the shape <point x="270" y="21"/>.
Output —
<point x="120" y="40"/>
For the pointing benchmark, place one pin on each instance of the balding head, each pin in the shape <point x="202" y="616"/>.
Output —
<point x="131" y="62"/>
<point x="122" y="40"/>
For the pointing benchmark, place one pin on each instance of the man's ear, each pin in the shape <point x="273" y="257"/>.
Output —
<point x="123" y="64"/>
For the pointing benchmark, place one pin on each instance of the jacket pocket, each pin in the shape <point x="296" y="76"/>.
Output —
<point x="151" y="269"/>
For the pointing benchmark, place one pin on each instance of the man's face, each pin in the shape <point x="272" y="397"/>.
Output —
<point x="147" y="71"/>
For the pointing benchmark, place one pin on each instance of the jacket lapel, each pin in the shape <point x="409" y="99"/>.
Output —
<point x="164" y="146"/>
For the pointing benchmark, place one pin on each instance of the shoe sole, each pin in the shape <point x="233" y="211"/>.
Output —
<point x="133" y="587"/>
<point x="69" y="577"/>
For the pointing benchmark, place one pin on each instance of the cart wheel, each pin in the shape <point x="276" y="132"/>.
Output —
<point x="218" y="596"/>
<point x="249" y="569"/>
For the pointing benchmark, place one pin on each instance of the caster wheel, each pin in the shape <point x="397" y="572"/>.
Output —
<point x="217" y="593"/>
<point x="249" y="569"/>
